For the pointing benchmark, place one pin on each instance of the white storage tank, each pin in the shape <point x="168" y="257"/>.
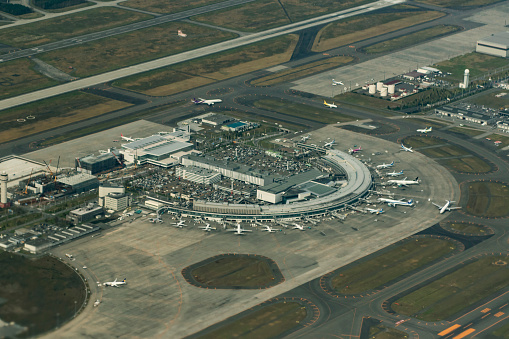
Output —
<point x="383" y="92"/>
<point x="379" y="86"/>
<point x="372" y="89"/>
<point x="391" y="89"/>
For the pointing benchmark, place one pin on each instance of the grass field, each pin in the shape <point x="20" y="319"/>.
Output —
<point x="302" y="111"/>
<point x="132" y="48"/>
<point x="467" y="165"/>
<point x="444" y="151"/>
<point x="53" y="112"/>
<point x="443" y="298"/>
<point x="265" y="14"/>
<point x="498" y="137"/>
<point x="362" y="27"/>
<point x="67" y="26"/>
<point x="268" y="322"/>
<point x="422" y="141"/>
<point x="369" y="102"/>
<point x="491" y="100"/>
<point x="430" y="122"/>
<point x="35" y="291"/>
<point x="167" y="6"/>
<point x="502" y="332"/>
<point x="488" y="199"/>
<point x="390" y="265"/>
<point x="302" y="71"/>
<point x="471" y="132"/>
<point x="381" y="331"/>
<point x="220" y="66"/>
<point x="465" y="227"/>
<point x="411" y="39"/>
<point x="18" y="77"/>
<point x="460" y="4"/>
<point x="234" y="271"/>
<point x="477" y="63"/>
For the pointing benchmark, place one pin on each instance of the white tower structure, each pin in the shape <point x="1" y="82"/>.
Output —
<point x="3" y="183"/>
<point x="466" y="79"/>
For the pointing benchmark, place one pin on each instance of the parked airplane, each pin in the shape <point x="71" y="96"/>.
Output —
<point x="238" y="230"/>
<point x="384" y="165"/>
<point x="179" y="224"/>
<point x="181" y="34"/>
<point x="207" y="228"/>
<point x="305" y="138"/>
<point x="330" y="105"/>
<point x="394" y="203"/>
<point x="154" y="220"/>
<point x="404" y="182"/>
<point x="446" y="206"/>
<point x="270" y="229"/>
<point x="425" y="130"/>
<point x="406" y="149"/>
<point x="115" y="283"/>
<point x="354" y="150"/>
<point x="129" y="138"/>
<point x="372" y="210"/>
<point x="205" y="101"/>
<point x="330" y="144"/>
<point x="298" y="227"/>
<point x="394" y="173"/>
<point x="335" y="83"/>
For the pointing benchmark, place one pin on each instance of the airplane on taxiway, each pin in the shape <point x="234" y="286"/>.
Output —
<point x="205" y="101"/>
<point x="179" y="224"/>
<point x="330" y="105"/>
<point x="394" y="203"/>
<point x="425" y="130"/>
<point x="115" y="283"/>
<point x="404" y="182"/>
<point x="335" y="82"/>
<point x="406" y="149"/>
<point x="446" y="206"/>
<point x="384" y="165"/>
<point x="207" y="228"/>
<point x="374" y="210"/>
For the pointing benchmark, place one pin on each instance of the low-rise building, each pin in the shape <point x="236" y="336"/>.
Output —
<point x="117" y="201"/>
<point x="198" y="175"/>
<point x="80" y="182"/>
<point x="471" y="113"/>
<point x="216" y="119"/>
<point x="84" y="214"/>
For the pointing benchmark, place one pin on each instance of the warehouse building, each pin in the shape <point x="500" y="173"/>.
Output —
<point x="216" y="119"/>
<point x="471" y="113"/>
<point x="101" y="163"/>
<point x="198" y="175"/>
<point x="83" y="214"/>
<point x="80" y="182"/>
<point x="496" y="44"/>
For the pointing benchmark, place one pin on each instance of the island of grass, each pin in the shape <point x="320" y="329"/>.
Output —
<point x="466" y="228"/>
<point x="496" y="99"/>
<point x="471" y="132"/>
<point x="477" y="63"/>
<point x="488" y="199"/>
<point x="388" y="265"/>
<point x="421" y="122"/>
<point x="270" y="321"/>
<point x="239" y="271"/>
<point x="460" y="4"/>
<point x="168" y="6"/>
<point x="502" y="332"/>
<point x="38" y="293"/>
<point x="423" y="141"/>
<point x="504" y="140"/>
<point x="456" y="291"/>
<point x="380" y="331"/>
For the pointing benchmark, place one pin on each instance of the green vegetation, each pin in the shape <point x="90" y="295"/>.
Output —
<point x="167" y="6"/>
<point x="15" y="9"/>
<point x="53" y="112"/>
<point x="57" y="4"/>
<point x="133" y="48"/>
<point x="471" y="164"/>
<point x="465" y="227"/>
<point x="456" y="291"/>
<point x="70" y="203"/>
<point x="422" y="141"/>
<point x="383" y="332"/>
<point x="362" y="27"/>
<point x="466" y="131"/>
<point x="216" y="67"/>
<point x="495" y="99"/>
<point x="302" y="111"/>
<point x="18" y="219"/>
<point x="430" y="122"/>
<point x="502" y="332"/>
<point x="488" y="199"/>
<point x="444" y="151"/>
<point x="64" y="27"/>
<point x="302" y="71"/>
<point x="238" y="270"/>
<point x="38" y="294"/>
<point x="498" y="137"/>
<point x="18" y="77"/>
<point x="411" y="39"/>
<point x="477" y="63"/>
<point x="460" y="4"/>
<point x="268" y="322"/>
<point x="390" y="265"/>
<point x="380" y="106"/>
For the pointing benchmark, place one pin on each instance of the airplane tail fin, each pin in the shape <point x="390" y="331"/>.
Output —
<point x="411" y="201"/>
<point x="431" y="128"/>
<point x="417" y="179"/>
<point x="392" y="163"/>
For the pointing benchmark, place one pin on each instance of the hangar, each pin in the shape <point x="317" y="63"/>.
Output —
<point x="496" y="44"/>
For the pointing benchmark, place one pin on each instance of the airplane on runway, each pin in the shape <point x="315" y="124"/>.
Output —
<point x="354" y="150"/>
<point x="207" y="228"/>
<point x="394" y="173"/>
<point x="425" y="130"/>
<point x="270" y="229"/>
<point x="305" y="138"/>
<point x="330" y="105"/>
<point x="238" y="230"/>
<point x="384" y="165"/>
<point x="335" y="83"/>
<point x="446" y="206"/>
<point x="205" y="101"/>
<point x="115" y="283"/>
<point x="404" y="182"/>
<point x="394" y="203"/>
<point x="298" y="227"/>
<point x="179" y="224"/>
<point x="406" y="149"/>
<point x="373" y="210"/>
<point x="330" y="144"/>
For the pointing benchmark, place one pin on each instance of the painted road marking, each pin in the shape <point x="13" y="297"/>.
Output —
<point x="449" y="330"/>
<point x="499" y="314"/>
<point x="485" y="310"/>
<point x="464" y="333"/>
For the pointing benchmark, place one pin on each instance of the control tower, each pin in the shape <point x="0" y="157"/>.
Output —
<point x="3" y="188"/>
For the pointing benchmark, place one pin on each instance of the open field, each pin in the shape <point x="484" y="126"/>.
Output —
<point x="363" y="27"/>
<point x="70" y="8"/>
<point x="466" y="131"/>
<point x="499" y="137"/>
<point x="466" y="227"/>
<point x="268" y="322"/>
<point x="220" y="66"/>
<point x="477" y="63"/>
<point x="38" y="293"/>
<point x="234" y="271"/>
<point x="488" y="199"/>
<point x="389" y="266"/>
<point x="369" y="102"/>
<point x="491" y="100"/>
<point x="471" y="164"/>
<point x="302" y="111"/>
<point x="444" y="151"/>
<point x="302" y="71"/>
<point x="381" y="331"/>
<point x="454" y="292"/>
<point x="131" y="48"/>
<point x="430" y="122"/>
<point x="502" y="332"/>
<point x="411" y="39"/>
<point x="459" y="4"/>
<point x="67" y="26"/>
<point x="265" y="14"/>
<point x="422" y="141"/>
<point x="18" y="77"/>
<point x="53" y="112"/>
<point x="168" y="6"/>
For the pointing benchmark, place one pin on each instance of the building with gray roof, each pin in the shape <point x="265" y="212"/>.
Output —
<point x="496" y="44"/>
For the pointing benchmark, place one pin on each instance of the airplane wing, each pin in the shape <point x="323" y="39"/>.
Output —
<point x="437" y="205"/>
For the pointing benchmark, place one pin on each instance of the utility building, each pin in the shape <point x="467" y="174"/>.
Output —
<point x="101" y="163"/>
<point x="496" y="44"/>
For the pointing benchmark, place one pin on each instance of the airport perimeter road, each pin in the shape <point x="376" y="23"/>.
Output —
<point x="189" y="55"/>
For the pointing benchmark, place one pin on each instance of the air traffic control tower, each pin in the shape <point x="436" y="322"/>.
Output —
<point x="3" y="187"/>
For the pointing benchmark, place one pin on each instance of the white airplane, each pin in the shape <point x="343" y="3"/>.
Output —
<point x="298" y="227"/>
<point x="269" y="229"/>
<point x="425" y="130"/>
<point x="406" y="149"/>
<point x="330" y="105"/>
<point x="154" y="220"/>
<point x="330" y="144"/>
<point x="446" y="206"/>
<point x="179" y="224"/>
<point x="404" y="182"/>
<point x="384" y="165"/>
<point x="335" y="83"/>
<point x="181" y="34"/>
<point x="115" y="283"/>
<point x="126" y="138"/>
<point x="394" y="173"/>
<point x="394" y="203"/>
<point x="305" y="138"/>
<point x="207" y="228"/>
<point x="238" y="230"/>
<point x="205" y="101"/>
<point x="372" y="210"/>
